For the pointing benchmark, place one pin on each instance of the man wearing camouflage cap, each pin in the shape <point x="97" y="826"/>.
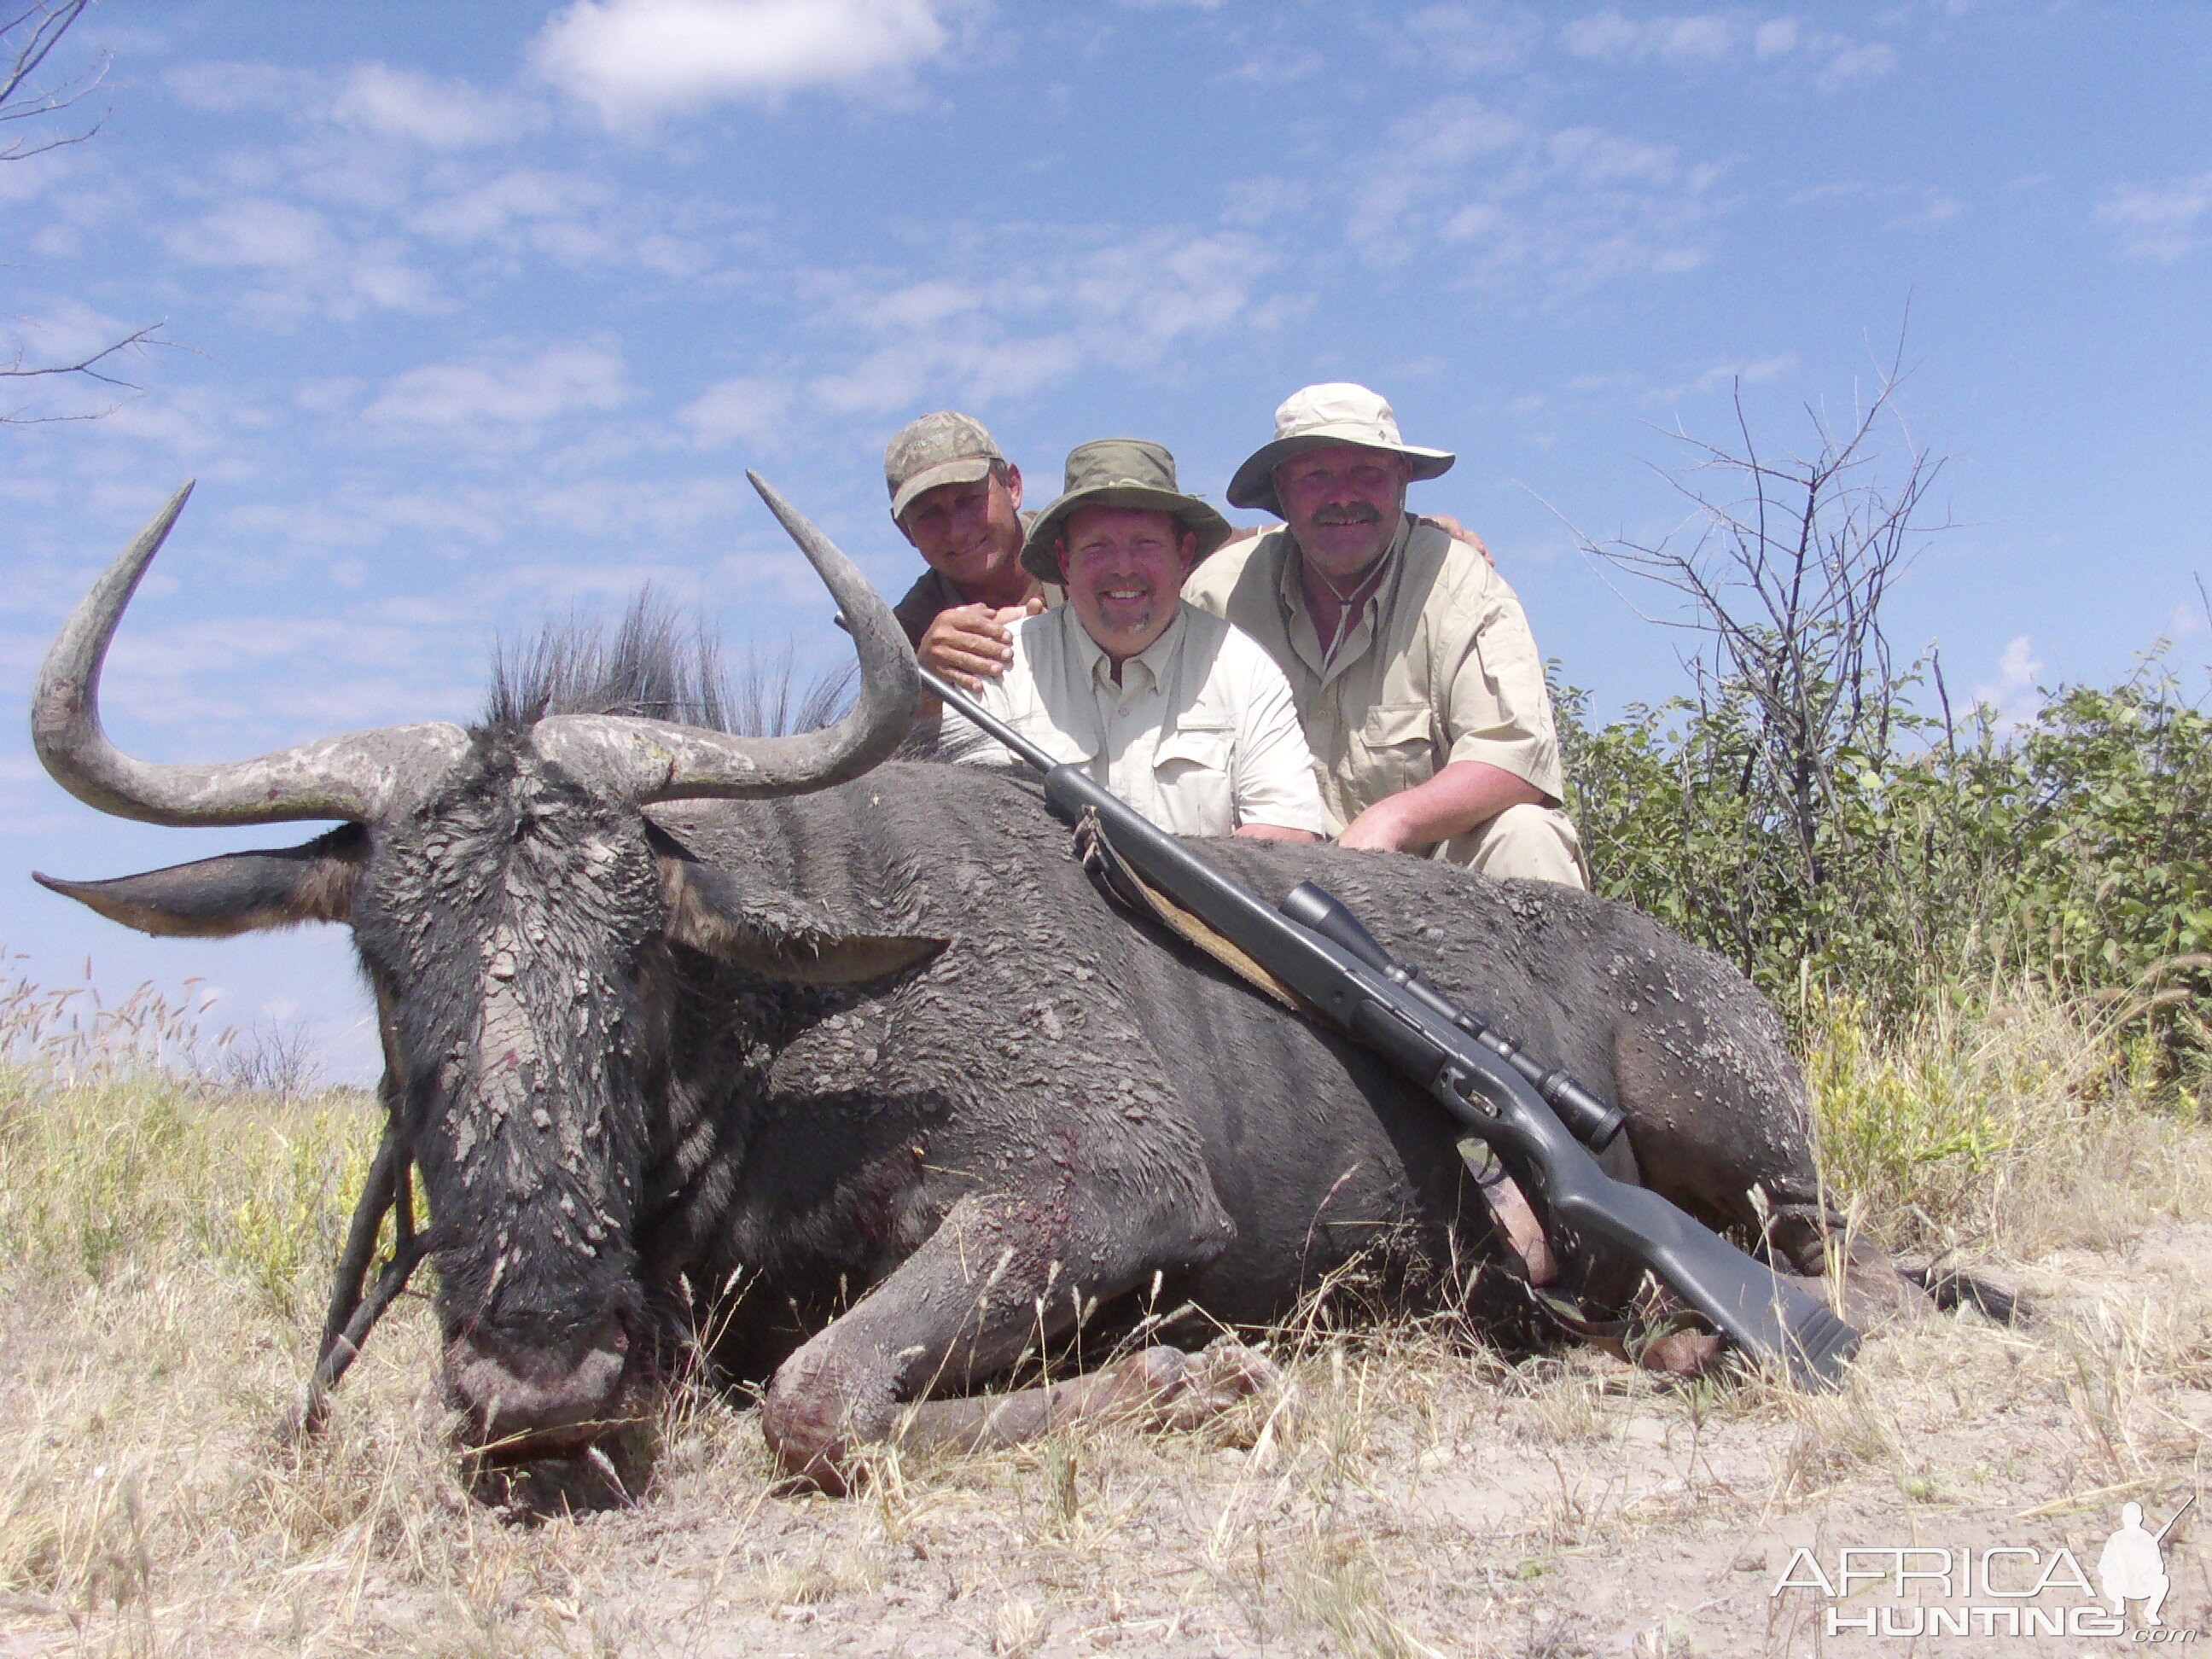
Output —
<point x="1418" y="683"/>
<point x="958" y="499"/>
<point x="1172" y="709"/>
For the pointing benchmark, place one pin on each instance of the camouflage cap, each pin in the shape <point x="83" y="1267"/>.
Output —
<point x="946" y="447"/>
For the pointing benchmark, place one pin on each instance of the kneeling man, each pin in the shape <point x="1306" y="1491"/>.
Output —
<point x="1170" y="708"/>
<point x="1418" y="685"/>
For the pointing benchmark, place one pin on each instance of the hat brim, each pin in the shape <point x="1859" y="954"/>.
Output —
<point x="1254" y="486"/>
<point x="1195" y="515"/>
<point x="968" y="469"/>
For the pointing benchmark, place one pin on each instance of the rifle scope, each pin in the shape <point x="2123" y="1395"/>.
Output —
<point x="1588" y="1119"/>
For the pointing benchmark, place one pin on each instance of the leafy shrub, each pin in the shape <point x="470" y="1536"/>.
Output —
<point x="2078" y="849"/>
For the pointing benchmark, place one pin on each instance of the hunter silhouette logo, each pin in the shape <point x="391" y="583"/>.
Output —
<point x="2003" y="1590"/>
<point x="2132" y="1567"/>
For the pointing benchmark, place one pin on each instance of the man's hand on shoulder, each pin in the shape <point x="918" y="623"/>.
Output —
<point x="971" y="643"/>
<point x="1459" y="532"/>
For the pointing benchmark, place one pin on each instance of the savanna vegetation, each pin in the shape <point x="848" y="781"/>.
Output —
<point x="1990" y="942"/>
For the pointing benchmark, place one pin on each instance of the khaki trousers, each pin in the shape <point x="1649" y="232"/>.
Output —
<point x="1532" y="843"/>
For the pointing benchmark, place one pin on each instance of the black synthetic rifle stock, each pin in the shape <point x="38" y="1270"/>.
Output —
<point x="1318" y="948"/>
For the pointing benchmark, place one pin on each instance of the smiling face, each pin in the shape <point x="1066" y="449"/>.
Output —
<point x="971" y="534"/>
<point x="1343" y="505"/>
<point x="1123" y="567"/>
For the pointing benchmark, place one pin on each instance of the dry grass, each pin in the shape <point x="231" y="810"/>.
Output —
<point x="164" y="1239"/>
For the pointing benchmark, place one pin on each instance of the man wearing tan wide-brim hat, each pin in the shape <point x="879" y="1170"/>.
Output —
<point x="1170" y="708"/>
<point x="1417" y="683"/>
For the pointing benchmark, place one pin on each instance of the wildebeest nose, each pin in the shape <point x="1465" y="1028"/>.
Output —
<point x="510" y="1388"/>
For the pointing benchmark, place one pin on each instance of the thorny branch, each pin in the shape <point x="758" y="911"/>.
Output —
<point x="1785" y="575"/>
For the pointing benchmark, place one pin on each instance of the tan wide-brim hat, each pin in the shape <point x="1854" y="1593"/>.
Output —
<point x="1321" y="418"/>
<point x="1119" y="472"/>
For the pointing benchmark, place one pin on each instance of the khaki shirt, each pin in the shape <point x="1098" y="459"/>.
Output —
<point x="1439" y="666"/>
<point x="1200" y="736"/>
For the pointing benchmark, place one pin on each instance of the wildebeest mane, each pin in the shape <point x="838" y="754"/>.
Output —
<point x="660" y="665"/>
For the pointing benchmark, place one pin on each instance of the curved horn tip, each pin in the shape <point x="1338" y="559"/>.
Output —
<point x="176" y="504"/>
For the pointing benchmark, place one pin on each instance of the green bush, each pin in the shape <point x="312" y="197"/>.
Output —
<point x="2076" y="849"/>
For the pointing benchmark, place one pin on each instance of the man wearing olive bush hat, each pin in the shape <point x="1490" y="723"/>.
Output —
<point x="1170" y="709"/>
<point x="1417" y="683"/>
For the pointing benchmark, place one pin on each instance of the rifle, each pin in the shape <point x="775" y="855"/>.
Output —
<point x="1542" y="1123"/>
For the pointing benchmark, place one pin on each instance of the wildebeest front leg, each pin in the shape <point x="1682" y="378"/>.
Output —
<point x="1002" y="1274"/>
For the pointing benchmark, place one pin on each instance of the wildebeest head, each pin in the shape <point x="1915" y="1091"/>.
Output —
<point x="513" y="907"/>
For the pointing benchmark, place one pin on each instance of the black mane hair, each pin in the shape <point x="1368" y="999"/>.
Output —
<point x="658" y="666"/>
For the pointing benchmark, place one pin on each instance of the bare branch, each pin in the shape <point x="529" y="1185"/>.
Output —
<point x="27" y="40"/>
<point x="1784" y="564"/>
<point x="29" y="33"/>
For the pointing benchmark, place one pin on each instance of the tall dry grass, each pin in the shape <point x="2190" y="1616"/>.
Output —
<point x="2031" y="1122"/>
<point x="166" y="1235"/>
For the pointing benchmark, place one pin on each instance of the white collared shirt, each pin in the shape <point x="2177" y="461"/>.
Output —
<point x="1200" y="735"/>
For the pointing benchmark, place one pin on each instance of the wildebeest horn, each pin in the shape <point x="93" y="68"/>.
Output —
<point x="361" y="776"/>
<point x="660" y="761"/>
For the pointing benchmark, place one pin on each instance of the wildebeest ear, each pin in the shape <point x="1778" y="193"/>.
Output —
<point x="235" y="893"/>
<point x="777" y="936"/>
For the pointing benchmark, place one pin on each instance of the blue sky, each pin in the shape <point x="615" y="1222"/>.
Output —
<point x="477" y="314"/>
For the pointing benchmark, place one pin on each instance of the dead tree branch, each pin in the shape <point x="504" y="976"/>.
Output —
<point x="1783" y="566"/>
<point x="28" y="35"/>
<point x="27" y="40"/>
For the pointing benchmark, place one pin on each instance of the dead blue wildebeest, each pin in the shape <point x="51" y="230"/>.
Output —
<point x="665" y="1007"/>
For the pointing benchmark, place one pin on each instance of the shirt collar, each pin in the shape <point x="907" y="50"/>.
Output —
<point x="1156" y="657"/>
<point x="1290" y="594"/>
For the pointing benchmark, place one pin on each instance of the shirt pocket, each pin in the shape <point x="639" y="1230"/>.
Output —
<point x="1192" y="770"/>
<point x="1397" y="748"/>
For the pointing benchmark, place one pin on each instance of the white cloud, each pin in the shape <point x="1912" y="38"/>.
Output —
<point x="1710" y="39"/>
<point x="745" y="409"/>
<point x="307" y="265"/>
<point x="1472" y="39"/>
<point x="2158" y="222"/>
<point x="1720" y="376"/>
<point x="1563" y="211"/>
<point x="1029" y="322"/>
<point x="636" y="59"/>
<point x="564" y="214"/>
<point x="1702" y="40"/>
<point x="439" y="114"/>
<point x="499" y="399"/>
<point x="2011" y="698"/>
<point x="1859" y="64"/>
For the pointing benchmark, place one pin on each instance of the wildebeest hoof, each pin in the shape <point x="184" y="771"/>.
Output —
<point x="1680" y="1353"/>
<point x="1210" y="1383"/>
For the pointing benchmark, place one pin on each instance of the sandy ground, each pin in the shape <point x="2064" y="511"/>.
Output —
<point x="1406" y="1496"/>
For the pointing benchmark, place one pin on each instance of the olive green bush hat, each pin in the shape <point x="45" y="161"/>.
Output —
<point x="1119" y="472"/>
<point x="1321" y="418"/>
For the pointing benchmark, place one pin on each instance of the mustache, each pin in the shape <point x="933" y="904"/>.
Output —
<point x="1351" y="513"/>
